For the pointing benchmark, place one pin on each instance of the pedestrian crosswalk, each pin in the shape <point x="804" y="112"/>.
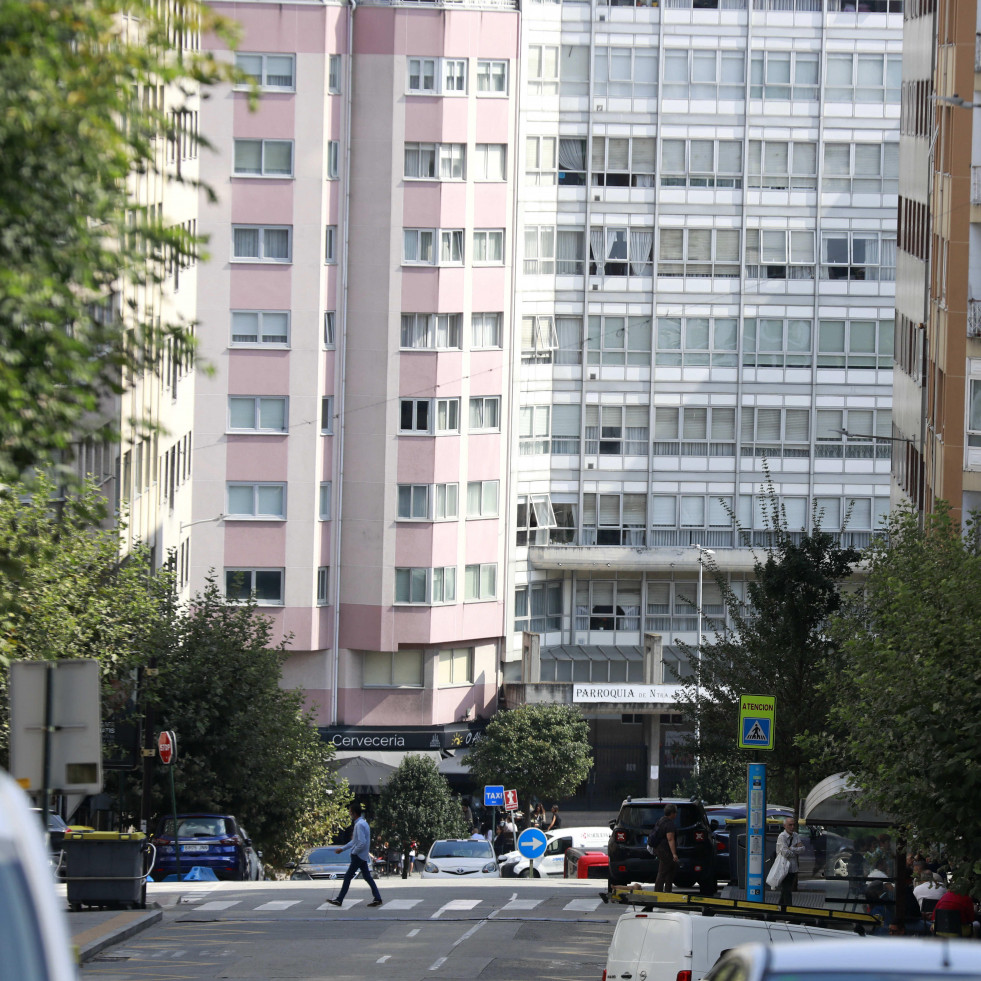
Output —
<point x="459" y="906"/>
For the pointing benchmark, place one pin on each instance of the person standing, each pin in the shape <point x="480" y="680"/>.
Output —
<point x="556" y="820"/>
<point x="790" y="846"/>
<point x="360" y="858"/>
<point x="663" y="843"/>
<point x="538" y="817"/>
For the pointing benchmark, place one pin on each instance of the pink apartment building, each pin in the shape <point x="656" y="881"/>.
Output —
<point x="352" y="442"/>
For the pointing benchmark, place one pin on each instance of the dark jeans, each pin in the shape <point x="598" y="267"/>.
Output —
<point x="787" y="888"/>
<point x="358" y="865"/>
<point x="666" y="868"/>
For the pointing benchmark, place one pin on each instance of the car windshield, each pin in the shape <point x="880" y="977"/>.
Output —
<point x="461" y="849"/>
<point x="324" y="856"/>
<point x="196" y="827"/>
<point x="647" y="815"/>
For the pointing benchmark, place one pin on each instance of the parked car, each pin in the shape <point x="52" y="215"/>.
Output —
<point x="552" y="862"/>
<point x="322" y="862"/>
<point x="461" y="858"/>
<point x="718" y="814"/>
<point x="873" y="959"/>
<point x="630" y="861"/>
<point x="214" y="841"/>
<point x="34" y="937"/>
<point x="57" y="829"/>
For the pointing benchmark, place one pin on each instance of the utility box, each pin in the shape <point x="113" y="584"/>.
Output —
<point x="106" y="868"/>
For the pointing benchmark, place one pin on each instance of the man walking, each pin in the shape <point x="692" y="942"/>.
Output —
<point x="663" y="843"/>
<point x="790" y="846"/>
<point x="360" y="858"/>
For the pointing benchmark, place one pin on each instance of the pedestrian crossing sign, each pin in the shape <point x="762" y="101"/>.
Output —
<point x="756" y="714"/>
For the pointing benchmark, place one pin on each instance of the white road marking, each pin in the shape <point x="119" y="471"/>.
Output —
<point x="583" y="905"/>
<point x="438" y="964"/>
<point x="470" y="932"/>
<point x="402" y="903"/>
<point x="455" y="904"/>
<point x="522" y="904"/>
<point x="220" y="904"/>
<point x="348" y="903"/>
<point x="412" y="933"/>
<point x="381" y="960"/>
<point x="278" y="904"/>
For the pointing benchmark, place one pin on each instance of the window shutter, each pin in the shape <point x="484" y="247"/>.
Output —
<point x="699" y="245"/>
<point x="860" y="422"/>
<point x="589" y="510"/>
<point x="565" y="420"/>
<point x="730" y="157"/>
<point x="609" y="510"/>
<point x="702" y="157"/>
<point x="723" y="424"/>
<point x="635" y="510"/>
<point x="618" y="154"/>
<point x="883" y="422"/>
<point x="802" y="247"/>
<point x="774" y="247"/>
<point x="890" y="167"/>
<point x="727" y="245"/>
<point x="692" y="511"/>
<point x="662" y="515"/>
<point x="830" y="519"/>
<point x="719" y="517"/>
<point x="797" y="425"/>
<point x="673" y="156"/>
<point x="755" y="157"/>
<point x="805" y="159"/>
<point x="795" y="509"/>
<point x="747" y="425"/>
<point x="752" y="246"/>
<point x="636" y="416"/>
<point x="861" y="513"/>
<point x="828" y="424"/>
<point x="868" y="159"/>
<point x="642" y="152"/>
<point x="768" y="425"/>
<point x="670" y="245"/>
<point x="776" y="157"/>
<point x="695" y="426"/>
<point x="598" y="159"/>
<point x="837" y="159"/>
<point x="665" y="423"/>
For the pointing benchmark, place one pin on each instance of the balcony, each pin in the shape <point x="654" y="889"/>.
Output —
<point x="975" y="184"/>
<point x="974" y="318"/>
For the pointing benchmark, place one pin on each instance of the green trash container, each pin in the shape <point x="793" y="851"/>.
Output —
<point x="106" y="868"/>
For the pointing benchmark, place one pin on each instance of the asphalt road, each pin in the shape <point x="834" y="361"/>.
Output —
<point x="504" y="930"/>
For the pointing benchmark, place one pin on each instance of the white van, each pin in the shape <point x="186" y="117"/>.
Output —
<point x="664" y="945"/>
<point x="553" y="861"/>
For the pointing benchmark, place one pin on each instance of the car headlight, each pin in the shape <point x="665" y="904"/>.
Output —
<point x="490" y="867"/>
<point x="431" y="868"/>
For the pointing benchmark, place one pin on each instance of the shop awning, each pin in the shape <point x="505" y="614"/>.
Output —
<point x="367" y="771"/>
<point x="835" y="800"/>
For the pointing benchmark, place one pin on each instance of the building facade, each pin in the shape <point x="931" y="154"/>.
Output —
<point x="512" y="312"/>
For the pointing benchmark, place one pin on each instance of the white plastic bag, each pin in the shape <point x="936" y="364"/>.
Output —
<point x="778" y="871"/>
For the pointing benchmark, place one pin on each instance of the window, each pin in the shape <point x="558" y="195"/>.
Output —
<point x="619" y="161"/>
<point x="259" y="328"/>
<point x="412" y="585"/>
<point x="323" y="585"/>
<point x="538" y="340"/>
<point x="492" y="78"/>
<point x="775" y="433"/>
<point x="699" y="252"/>
<point x="435" y="161"/>
<point x="255" y="413"/>
<point x="271" y="72"/>
<point x="480" y="581"/>
<point x="422" y="331"/>
<point x="329" y="323"/>
<point x="855" y="343"/>
<point x="974" y="413"/>
<point x="858" y="256"/>
<point x="445" y="502"/>
<point x="779" y="254"/>
<point x="488" y="246"/>
<point x="456" y="666"/>
<point x="550" y="160"/>
<point x="265" y="584"/>
<point x="324" y="500"/>
<point x="333" y="153"/>
<point x="540" y="522"/>
<point x="701" y="163"/>
<point x="413" y="502"/>
<point x="262" y="243"/>
<point x="490" y="162"/>
<point x="621" y="251"/>
<point x="694" y="431"/>
<point x="256" y="500"/>
<point x="625" y="72"/>
<point x="454" y="75"/>
<point x="617" y="430"/>
<point x="862" y="426"/>
<point x="330" y="243"/>
<point x="608" y="604"/>
<point x="485" y="330"/>
<point x="619" y="340"/>
<point x="435" y="76"/>
<point x="779" y="165"/>
<point x="482" y="496"/>
<point x="861" y="168"/>
<point x="784" y="75"/>
<point x="704" y="74"/>
<point x="415" y="415"/>
<point x="565" y="429"/>
<point x="543" y="69"/>
<point x="263" y="158"/>
<point x="444" y="585"/>
<point x="485" y="413"/>
<point x="533" y="430"/>
<point x="863" y="78"/>
<point x="422" y="75"/>
<point x="327" y="414"/>
<point x="773" y="342"/>
<point x="549" y="250"/>
<point x="418" y="246"/>
<point x="334" y="74"/>
<point x="538" y="607"/>
<point x="697" y="341"/>
<point x="393" y="669"/>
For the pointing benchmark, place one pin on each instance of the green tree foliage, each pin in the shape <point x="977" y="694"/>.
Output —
<point x="80" y="126"/>
<point x="247" y="747"/>
<point x="908" y="700"/>
<point x="775" y="644"/>
<point x="417" y="805"/>
<point x="538" y="750"/>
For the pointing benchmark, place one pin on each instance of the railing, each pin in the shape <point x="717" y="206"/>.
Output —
<point x="974" y="318"/>
<point x="977" y="52"/>
<point x="975" y="184"/>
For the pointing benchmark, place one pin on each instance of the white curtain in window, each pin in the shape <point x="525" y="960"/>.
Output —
<point x="246" y="243"/>
<point x="641" y="246"/>
<point x="596" y="253"/>
<point x="568" y="331"/>
<point x="569" y="252"/>
<point x="276" y="243"/>
<point x="572" y="155"/>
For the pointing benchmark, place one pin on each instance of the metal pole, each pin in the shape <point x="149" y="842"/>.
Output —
<point x="698" y="671"/>
<point x="46" y="753"/>
<point x="173" y="811"/>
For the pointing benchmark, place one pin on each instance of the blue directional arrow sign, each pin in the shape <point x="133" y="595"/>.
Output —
<point x="494" y="796"/>
<point x="532" y="842"/>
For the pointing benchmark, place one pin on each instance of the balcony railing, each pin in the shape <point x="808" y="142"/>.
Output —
<point x="974" y="318"/>
<point x="975" y="184"/>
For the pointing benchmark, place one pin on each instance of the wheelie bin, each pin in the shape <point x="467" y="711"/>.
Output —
<point x="107" y="869"/>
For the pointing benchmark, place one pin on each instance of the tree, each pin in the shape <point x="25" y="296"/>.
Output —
<point x="908" y="700"/>
<point x="79" y="130"/>
<point x="540" y="750"/>
<point x="776" y="643"/>
<point x="246" y="746"/>
<point x="417" y="805"/>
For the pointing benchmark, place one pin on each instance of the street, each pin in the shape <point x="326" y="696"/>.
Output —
<point x="492" y="931"/>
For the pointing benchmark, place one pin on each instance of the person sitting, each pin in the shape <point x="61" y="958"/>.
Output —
<point x="954" y="908"/>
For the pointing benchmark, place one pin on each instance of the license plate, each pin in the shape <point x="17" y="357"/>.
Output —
<point x="194" y="848"/>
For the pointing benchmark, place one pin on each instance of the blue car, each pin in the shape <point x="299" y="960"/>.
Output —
<point x="214" y="841"/>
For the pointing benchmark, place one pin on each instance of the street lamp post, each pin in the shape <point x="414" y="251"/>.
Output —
<point x="702" y="553"/>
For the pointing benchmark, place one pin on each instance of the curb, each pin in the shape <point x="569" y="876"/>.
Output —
<point x="120" y="928"/>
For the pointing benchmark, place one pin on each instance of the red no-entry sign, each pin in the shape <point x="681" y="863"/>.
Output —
<point x="167" y="747"/>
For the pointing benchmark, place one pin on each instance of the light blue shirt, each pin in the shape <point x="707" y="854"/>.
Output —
<point x="360" y="840"/>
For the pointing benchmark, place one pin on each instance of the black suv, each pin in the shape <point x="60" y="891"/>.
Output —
<point x="630" y="861"/>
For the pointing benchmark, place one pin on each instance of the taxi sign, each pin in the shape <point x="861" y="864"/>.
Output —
<point x="756" y="721"/>
<point x="494" y="796"/>
<point x="532" y="842"/>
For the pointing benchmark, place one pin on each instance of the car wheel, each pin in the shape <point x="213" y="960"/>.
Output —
<point x="524" y="873"/>
<point x="841" y="865"/>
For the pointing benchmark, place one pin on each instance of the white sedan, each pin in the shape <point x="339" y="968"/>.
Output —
<point x="459" y="858"/>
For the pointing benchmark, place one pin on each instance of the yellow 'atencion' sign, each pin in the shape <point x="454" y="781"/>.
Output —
<point x="756" y="721"/>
